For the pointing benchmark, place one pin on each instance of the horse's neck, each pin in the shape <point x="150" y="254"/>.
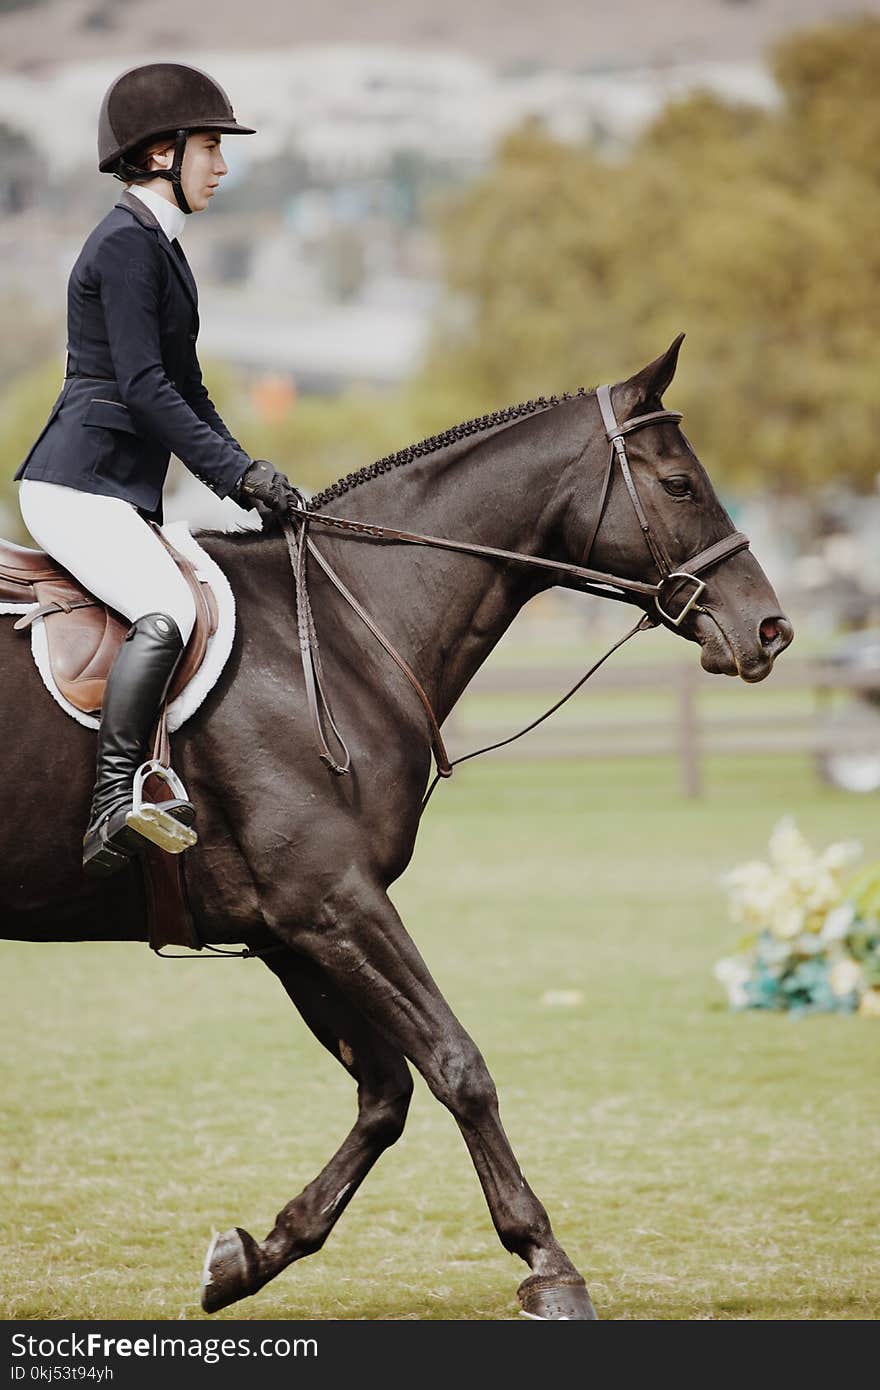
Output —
<point x="445" y="611"/>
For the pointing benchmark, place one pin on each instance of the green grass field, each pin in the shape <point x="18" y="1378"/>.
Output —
<point x="695" y="1163"/>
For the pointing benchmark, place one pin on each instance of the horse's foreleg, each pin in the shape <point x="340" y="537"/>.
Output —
<point x="236" y="1264"/>
<point x="361" y="944"/>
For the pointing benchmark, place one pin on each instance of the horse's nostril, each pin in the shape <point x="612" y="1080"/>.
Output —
<point x="775" y="633"/>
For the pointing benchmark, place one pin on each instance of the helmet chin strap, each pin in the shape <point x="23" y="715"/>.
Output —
<point x="130" y="173"/>
<point x="174" y="173"/>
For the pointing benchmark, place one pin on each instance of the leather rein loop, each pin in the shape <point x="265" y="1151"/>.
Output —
<point x="300" y="545"/>
<point x="313" y="674"/>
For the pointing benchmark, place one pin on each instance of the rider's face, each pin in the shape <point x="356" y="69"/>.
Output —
<point x="203" y="168"/>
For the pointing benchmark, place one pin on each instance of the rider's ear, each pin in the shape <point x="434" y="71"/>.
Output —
<point x="648" y="384"/>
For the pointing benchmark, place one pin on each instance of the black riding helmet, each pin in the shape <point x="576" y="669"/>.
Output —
<point x="154" y="100"/>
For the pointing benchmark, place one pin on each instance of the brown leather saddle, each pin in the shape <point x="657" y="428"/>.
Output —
<point x="82" y="633"/>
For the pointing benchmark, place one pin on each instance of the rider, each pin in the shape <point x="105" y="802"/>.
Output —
<point x="132" y="394"/>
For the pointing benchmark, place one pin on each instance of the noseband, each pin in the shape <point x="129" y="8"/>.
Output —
<point x="300" y="544"/>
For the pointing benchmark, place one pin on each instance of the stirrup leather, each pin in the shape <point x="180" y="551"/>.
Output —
<point x="151" y="819"/>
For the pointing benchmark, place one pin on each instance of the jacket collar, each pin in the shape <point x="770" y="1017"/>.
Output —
<point x="142" y="213"/>
<point x="170" y="217"/>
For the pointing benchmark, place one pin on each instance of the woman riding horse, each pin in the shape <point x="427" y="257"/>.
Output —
<point x="132" y="395"/>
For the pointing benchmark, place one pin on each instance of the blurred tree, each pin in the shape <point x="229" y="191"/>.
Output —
<point x="828" y="77"/>
<point x="322" y="437"/>
<point x="35" y="334"/>
<point x="24" y="409"/>
<point x="753" y="230"/>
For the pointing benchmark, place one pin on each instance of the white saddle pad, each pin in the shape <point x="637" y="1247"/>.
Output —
<point x="216" y="656"/>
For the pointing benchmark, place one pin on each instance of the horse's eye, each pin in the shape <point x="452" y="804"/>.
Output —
<point x="679" y="486"/>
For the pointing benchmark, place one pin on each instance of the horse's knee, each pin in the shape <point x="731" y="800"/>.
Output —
<point x="464" y="1084"/>
<point x="383" y="1113"/>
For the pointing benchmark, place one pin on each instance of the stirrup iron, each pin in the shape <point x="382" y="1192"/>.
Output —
<point x="149" y="819"/>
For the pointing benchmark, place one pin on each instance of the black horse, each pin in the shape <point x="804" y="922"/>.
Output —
<point x="293" y="856"/>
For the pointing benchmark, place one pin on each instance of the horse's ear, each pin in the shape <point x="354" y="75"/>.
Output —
<point x="648" y="384"/>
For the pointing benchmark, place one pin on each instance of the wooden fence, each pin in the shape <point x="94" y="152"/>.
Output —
<point x="684" y="725"/>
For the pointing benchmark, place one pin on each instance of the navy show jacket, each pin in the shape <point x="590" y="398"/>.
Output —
<point x="133" y="393"/>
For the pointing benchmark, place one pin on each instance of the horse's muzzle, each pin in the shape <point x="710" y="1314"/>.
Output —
<point x="724" y="651"/>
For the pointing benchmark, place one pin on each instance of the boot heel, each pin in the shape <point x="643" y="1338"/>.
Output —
<point x="100" y="857"/>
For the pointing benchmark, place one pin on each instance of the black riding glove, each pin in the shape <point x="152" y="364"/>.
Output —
<point x="262" y="483"/>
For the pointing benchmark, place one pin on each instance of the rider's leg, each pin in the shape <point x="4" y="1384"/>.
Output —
<point x="114" y="553"/>
<point x="110" y="549"/>
<point x="133" y="699"/>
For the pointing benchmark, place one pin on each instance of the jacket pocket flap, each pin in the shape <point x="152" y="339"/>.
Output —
<point x="112" y="415"/>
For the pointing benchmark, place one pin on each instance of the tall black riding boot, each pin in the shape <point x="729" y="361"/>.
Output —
<point x="133" y="698"/>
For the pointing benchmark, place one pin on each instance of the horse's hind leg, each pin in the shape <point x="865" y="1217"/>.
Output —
<point x="236" y="1264"/>
<point x="361" y="943"/>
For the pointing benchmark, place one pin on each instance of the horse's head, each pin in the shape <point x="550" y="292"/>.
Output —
<point x="658" y="514"/>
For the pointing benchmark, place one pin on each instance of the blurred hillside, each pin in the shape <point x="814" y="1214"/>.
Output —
<point x="565" y="34"/>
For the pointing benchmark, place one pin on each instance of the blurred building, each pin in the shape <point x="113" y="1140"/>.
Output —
<point x="316" y="252"/>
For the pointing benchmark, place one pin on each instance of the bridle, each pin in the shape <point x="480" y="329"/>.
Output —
<point x="712" y="555"/>
<point x="581" y="577"/>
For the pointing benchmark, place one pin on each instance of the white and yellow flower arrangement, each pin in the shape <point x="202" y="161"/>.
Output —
<point x="812" y="941"/>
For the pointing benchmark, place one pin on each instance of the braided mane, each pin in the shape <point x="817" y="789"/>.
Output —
<point x="437" y="441"/>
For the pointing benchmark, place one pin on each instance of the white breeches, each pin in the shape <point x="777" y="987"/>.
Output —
<point x="110" y="549"/>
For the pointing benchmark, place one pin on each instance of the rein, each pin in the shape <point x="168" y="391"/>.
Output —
<point x="300" y="545"/>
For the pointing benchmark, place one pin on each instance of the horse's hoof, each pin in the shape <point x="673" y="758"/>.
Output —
<point x="231" y="1269"/>
<point x="554" y="1297"/>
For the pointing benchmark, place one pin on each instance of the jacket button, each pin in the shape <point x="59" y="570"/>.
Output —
<point x="192" y="337"/>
